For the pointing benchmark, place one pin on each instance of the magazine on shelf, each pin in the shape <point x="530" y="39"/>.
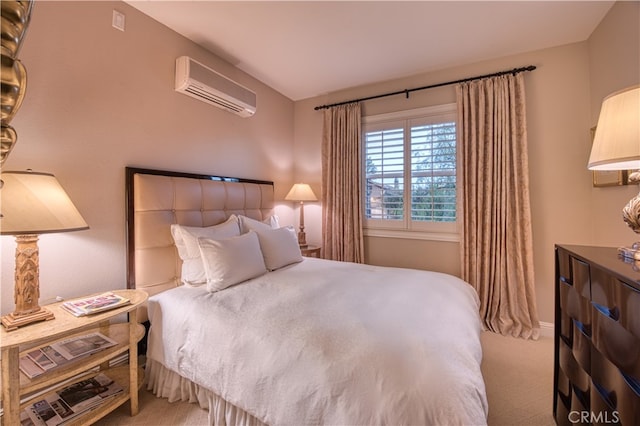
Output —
<point x="71" y="401"/>
<point x="30" y="368"/>
<point x="95" y="304"/>
<point x="78" y="346"/>
<point x="38" y="361"/>
<point x="25" y="420"/>
<point x="41" y="359"/>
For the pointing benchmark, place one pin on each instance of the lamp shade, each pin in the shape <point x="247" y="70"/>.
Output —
<point x="301" y="192"/>
<point x="616" y="145"/>
<point x="35" y="203"/>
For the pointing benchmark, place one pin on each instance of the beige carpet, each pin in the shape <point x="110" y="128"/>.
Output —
<point x="519" y="378"/>
<point x="518" y="374"/>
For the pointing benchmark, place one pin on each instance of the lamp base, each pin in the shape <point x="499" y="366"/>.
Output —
<point x="302" y="238"/>
<point x="12" y="321"/>
<point x="27" y="285"/>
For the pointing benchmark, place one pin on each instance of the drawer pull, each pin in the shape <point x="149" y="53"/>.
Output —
<point x="613" y="313"/>
<point x="566" y="280"/>
<point x="567" y="341"/>
<point x="608" y="397"/>
<point x="584" y="329"/>
<point x="582" y="396"/>
<point x="634" y="384"/>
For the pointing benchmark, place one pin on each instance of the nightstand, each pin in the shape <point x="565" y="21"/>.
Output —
<point x="15" y="384"/>
<point x="311" y="251"/>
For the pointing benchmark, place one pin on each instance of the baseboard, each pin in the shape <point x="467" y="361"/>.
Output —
<point x="546" y="329"/>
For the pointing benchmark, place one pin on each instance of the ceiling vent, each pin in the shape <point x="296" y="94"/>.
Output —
<point x="203" y="83"/>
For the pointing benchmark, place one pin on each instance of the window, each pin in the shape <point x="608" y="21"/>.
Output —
<point x="410" y="172"/>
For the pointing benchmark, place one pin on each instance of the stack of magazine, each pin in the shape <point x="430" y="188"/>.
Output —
<point x="39" y="361"/>
<point x="70" y="402"/>
<point x="95" y="304"/>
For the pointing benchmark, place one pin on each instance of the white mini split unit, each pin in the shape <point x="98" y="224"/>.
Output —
<point x="207" y="85"/>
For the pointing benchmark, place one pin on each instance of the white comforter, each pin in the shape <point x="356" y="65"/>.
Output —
<point x="331" y="343"/>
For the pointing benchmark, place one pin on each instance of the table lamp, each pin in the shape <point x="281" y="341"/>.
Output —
<point x="616" y="146"/>
<point x="32" y="203"/>
<point x="301" y="192"/>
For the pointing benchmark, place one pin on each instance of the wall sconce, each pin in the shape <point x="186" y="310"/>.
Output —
<point x="30" y="204"/>
<point x="301" y="192"/>
<point x="616" y="146"/>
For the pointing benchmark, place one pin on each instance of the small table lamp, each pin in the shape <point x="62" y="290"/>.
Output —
<point x="301" y="192"/>
<point x="30" y="204"/>
<point x="616" y="146"/>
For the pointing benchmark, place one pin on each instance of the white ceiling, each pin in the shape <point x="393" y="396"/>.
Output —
<point x="309" y="48"/>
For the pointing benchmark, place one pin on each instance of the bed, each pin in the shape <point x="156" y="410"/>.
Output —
<point x="304" y="341"/>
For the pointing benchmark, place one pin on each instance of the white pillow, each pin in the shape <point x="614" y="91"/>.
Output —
<point x="231" y="261"/>
<point x="274" y="221"/>
<point x="247" y="224"/>
<point x="279" y="247"/>
<point x="186" y="240"/>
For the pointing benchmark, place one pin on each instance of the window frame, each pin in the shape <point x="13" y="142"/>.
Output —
<point x="408" y="228"/>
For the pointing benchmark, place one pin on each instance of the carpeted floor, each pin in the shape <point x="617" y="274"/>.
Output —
<point x="518" y="375"/>
<point x="519" y="378"/>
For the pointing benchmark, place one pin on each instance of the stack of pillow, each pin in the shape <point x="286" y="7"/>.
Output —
<point x="234" y="251"/>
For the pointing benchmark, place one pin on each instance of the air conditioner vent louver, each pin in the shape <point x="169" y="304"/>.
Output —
<point x="203" y="83"/>
<point x="213" y="99"/>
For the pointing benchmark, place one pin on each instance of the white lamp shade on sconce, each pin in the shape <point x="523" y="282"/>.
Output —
<point x="35" y="203"/>
<point x="301" y="192"/>
<point x="616" y="144"/>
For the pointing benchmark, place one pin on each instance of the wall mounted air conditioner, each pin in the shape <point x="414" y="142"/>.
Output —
<point x="203" y="83"/>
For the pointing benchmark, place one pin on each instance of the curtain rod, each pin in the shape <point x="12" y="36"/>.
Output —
<point x="407" y="91"/>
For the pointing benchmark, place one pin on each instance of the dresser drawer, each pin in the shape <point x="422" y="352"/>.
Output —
<point x="575" y="291"/>
<point x="614" y="392"/>
<point x="579" y="379"/>
<point x="614" y="310"/>
<point x="563" y="401"/>
<point x="617" y="300"/>
<point x="574" y="272"/>
<point x="581" y="347"/>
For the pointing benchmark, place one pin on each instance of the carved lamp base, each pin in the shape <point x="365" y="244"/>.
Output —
<point x="27" y="285"/>
<point x="302" y="238"/>
<point x="13" y="320"/>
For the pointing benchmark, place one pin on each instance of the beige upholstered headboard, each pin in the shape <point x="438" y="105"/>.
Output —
<point x="156" y="199"/>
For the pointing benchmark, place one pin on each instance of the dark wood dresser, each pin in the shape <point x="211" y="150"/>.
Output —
<point x="597" y="337"/>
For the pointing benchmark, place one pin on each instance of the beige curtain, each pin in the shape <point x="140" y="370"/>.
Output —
<point x="341" y="184"/>
<point x="496" y="246"/>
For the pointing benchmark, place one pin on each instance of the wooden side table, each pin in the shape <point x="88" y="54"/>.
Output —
<point x="16" y="384"/>
<point x="311" y="251"/>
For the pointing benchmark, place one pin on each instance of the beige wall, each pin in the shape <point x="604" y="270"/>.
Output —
<point x="560" y="112"/>
<point x="98" y="100"/>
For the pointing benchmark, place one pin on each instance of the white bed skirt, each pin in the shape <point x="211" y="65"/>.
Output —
<point x="165" y="383"/>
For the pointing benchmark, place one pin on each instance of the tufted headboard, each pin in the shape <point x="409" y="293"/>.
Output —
<point x="155" y="199"/>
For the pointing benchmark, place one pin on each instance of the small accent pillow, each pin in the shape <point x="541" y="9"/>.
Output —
<point x="247" y="224"/>
<point x="186" y="240"/>
<point x="279" y="247"/>
<point x="274" y="221"/>
<point x="231" y="261"/>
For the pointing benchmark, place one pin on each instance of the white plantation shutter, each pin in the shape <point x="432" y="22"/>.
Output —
<point x="433" y="172"/>
<point x="384" y="175"/>
<point x="410" y="169"/>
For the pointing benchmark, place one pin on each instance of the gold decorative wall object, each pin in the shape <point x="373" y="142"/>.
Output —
<point x="15" y="16"/>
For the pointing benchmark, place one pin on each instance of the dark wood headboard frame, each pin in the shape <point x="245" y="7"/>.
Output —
<point x="129" y="192"/>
